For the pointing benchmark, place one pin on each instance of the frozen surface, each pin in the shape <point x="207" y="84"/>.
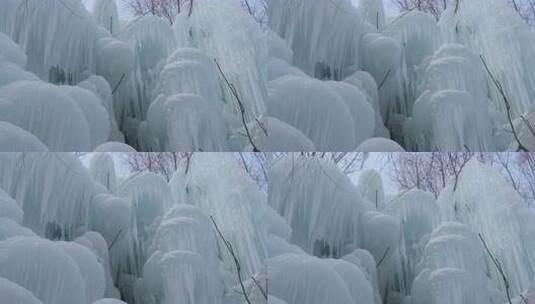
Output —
<point x="273" y="135"/>
<point x="316" y="110"/>
<point x="47" y="112"/>
<point x="212" y="187"/>
<point x="495" y="31"/>
<point x="324" y="36"/>
<point x="106" y="15"/>
<point x="94" y="112"/>
<point x="319" y="202"/>
<point x="184" y="122"/>
<point x="379" y="145"/>
<point x="15" y="139"/>
<point x="53" y="190"/>
<point x="102" y="169"/>
<point x="231" y="37"/>
<point x="49" y="272"/>
<point x="306" y="279"/>
<point x="114" y="147"/>
<point x="493" y="209"/>
<point x="15" y="294"/>
<point x="11" y="52"/>
<point x="9" y="207"/>
<point x="60" y="36"/>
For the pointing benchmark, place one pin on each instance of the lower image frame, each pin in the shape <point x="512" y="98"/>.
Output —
<point x="293" y="228"/>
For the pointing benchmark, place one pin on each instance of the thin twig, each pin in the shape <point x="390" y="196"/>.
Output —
<point x="499" y="86"/>
<point x="190" y="8"/>
<point x="115" y="239"/>
<point x="260" y="288"/>
<point x="236" y="261"/>
<point x="240" y="104"/>
<point x="528" y="124"/>
<point x="383" y="258"/>
<point x="499" y="267"/>
<point x="118" y="84"/>
<point x="384" y="79"/>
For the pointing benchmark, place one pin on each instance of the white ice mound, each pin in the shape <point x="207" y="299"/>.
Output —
<point x="301" y="278"/>
<point x="94" y="112"/>
<point x="97" y="244"/>
<point x="100" y="87"/>
<point x="277" y="68"/>
<point x="491" y="207"/>
<point x="47" y="112"/>
<point x="49" y="272"/>
<point x="57" y="36"/>
<point x="370" y="185"/>
<point x="150" y="197"/>
<point x="152" y="40"/>
<point x="179" y="276"/>
<point x="55" y="192"/>
<point x="10" y="72"/>
<point x="495" y="30"/>
<point x="362" y="111"/>
<point x="271" y="135"/>
<point x="12" y="293"/>
<point x="225" y="32"/>
<point x="372" y="11"/>
<point x="9" y="207"/>
<point x="184" y="122"/>
<point x="319" y="202"/>
<point x="420" y="36"/>
<point x="316" y="110"/>
<point x="10" y="228"/>
<point x="109" y="301"/>
<point x="11" y="52"/>
<point x="451" y="120"/>
<point x="102" y="169"/>
<point x="15" y="139"/>
<point x="115" y="147"/>
<point x="379" y="144"/>
<point x="106" y="15"/>
<point x="418" y="214"/>
<point x="324" y="35"/>
<point x="91" y="269"/>
<point x="221" y="188"/>
<point x="189" y="70"/>
<point x="186" y="227"/>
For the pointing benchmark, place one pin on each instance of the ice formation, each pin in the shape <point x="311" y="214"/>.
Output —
<point x="414" y="80"/>
<point x="410" y="247"/>
<point x="47" y="112"/>
<point x="102" y="169"/>
<point x="183" y="122"/>
<point x="503" y="40"/>
<point x="50" y="273"/>
<point x="323" y="219"/>
<point x="106" y="15"/>
<point x="15" y="139"/>
<point x="316" y="110"/>
<point x="240" y="56"/>
<point x="15" y="294"/>
<point x="306" y="279"/>
<point x="324" y="36"/>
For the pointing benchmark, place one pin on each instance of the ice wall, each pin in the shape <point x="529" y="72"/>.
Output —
<point x="319" y="202"/>
<point x="227" y="34"/>
<point x="106" y="15"/>
<point x="53" y="190"/>
<point x="212" y="188"/>
<point x="324" y="35"/>
<point x="495" y="31"/>
<point x="316" y="110"/>
<point x="491" y="208"/>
